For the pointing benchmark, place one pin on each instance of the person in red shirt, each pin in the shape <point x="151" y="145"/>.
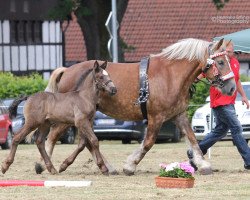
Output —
<point x="225" y="116"/>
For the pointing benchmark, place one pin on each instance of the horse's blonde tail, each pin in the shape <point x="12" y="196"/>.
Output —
<point x="54" y="79"/>
<point x="29" y="138"/>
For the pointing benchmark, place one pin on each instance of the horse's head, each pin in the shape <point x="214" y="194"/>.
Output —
<point x="102" y="79"/>
<point x="218" y="70"/>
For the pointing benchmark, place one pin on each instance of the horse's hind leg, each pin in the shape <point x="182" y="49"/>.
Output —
<point x="56" y="131"/>
<point x="42" y="133"/>
<point x="25" y="130"/>
<point x="154" y="125"/>
<point x="72" y="157"/>
<point x="184" y="125"/>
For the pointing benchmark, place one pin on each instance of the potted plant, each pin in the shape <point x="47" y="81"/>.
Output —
<point x="175" y="175"/>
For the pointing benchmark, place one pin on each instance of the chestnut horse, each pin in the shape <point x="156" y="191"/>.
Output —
<point x="170" y="75"/>
<point x="73" y="108"/>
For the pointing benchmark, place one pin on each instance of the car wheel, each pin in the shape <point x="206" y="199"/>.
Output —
<point x="126" y="141"/>
<point x="8" y="142"/>
<point x="69" y="136"/>
<point x="177" y="136"/>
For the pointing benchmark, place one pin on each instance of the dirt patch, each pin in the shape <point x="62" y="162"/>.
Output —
<point x="229" y="180"/>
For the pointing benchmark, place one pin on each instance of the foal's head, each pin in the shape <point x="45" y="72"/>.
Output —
<point x="102" y="79"/>
<point x="218" y="69"/>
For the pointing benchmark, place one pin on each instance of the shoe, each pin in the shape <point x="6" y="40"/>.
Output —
<point x="191" y="162"/>
<point x="247" y="167"/>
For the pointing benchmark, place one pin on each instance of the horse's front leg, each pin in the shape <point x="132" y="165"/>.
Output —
<point x="154" y="125"/>
<point x="183" y="124"/>
<point x="56" y="131"/>
<point x="111" y="169"/>
<point x="85" y="128"/>
<point x="67" y="162"/>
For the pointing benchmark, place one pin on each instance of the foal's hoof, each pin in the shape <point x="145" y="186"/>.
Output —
<point x="114" y="172"/>
<point x="53" y="171"/>
<point x="39" y="168"/>
<point x="128" y="172"/>
<point x="3" y="170"/>
<point x="205" y="171"/>
<point x="62" y="168"/>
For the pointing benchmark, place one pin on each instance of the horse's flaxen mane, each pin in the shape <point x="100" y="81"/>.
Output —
<point x="82" y="78"/>
<point x="190" y="49"/>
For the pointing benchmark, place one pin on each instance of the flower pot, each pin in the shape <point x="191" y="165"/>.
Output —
<point x="168" y="182"/>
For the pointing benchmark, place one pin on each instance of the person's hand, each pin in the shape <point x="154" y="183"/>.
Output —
<point x="245" y="101"/>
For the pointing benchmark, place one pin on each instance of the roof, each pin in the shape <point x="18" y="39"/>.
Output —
<point x="150" y="26"/>
<point x="75" y="50"/>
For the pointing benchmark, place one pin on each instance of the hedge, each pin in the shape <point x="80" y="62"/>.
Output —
<point x="12" y="86"/>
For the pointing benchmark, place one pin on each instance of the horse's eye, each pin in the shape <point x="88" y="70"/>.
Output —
<point x="221" y="62"/>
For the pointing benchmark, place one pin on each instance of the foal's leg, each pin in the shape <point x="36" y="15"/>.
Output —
<point x="154" y="125"/>
<point x="72" y="157"/>
<point x="184" y="125"/>
<point x="42" y="133"/>
<point x="86" y="128"/>
<point x="25" y="130"/>
<point x="111" y="169"/>
<point x="56" y="131"/>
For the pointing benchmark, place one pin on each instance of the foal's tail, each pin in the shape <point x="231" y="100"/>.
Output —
<point x="15" y="103"/>
<point x="54" y="79"/>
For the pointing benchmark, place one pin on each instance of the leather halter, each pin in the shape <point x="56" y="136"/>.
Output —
<point x="219" y="80"/>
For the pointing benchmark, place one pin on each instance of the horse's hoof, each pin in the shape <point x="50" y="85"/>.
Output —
<point x="62" y="168"/>
<point x="39" y="168"/>
<point x="106" y="173"/>
<point x="128" y="172"/>
<point x="53" y="171"/>
<point x="114" y="172"/>
<point x="205" y="171"/>
<point x="3" y="170"/>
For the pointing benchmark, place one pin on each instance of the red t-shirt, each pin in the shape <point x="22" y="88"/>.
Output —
<point x="216" y="97"/>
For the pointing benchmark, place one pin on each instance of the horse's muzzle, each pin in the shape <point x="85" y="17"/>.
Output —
<point x="113" y="91"/>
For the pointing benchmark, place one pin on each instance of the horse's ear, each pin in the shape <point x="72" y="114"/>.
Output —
<point x="104" y="65"/>
<point x="219" y="44"/>
<point x="96" y="66"/>
<point x="228" y="43"/>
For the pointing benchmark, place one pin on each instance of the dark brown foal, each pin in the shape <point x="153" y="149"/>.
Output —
<point x="75" y="108"/>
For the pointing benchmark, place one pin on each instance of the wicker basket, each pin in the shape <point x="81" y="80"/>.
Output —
<point x="168" y="182"/>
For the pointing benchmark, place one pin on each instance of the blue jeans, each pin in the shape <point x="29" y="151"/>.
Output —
<point x="226" y="119"/>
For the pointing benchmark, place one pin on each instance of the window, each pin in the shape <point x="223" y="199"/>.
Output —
<point x="23" y="32"/>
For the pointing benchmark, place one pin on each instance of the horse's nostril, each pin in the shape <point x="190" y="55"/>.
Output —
<point x="232" y="89"/>
<point x="113" y="90"/>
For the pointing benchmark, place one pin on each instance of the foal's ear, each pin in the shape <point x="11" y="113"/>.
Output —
<point x="96" y="66"/>
<point x="219" y="44"/>
<point x="104" y="65"/>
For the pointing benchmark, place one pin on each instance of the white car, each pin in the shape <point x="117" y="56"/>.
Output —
<point x="201" y="121"/>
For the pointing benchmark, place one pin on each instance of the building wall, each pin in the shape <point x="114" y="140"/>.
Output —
<point x="45" y="55"/>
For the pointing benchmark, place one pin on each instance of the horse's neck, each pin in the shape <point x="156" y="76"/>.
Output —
<point x="88" y="88"/>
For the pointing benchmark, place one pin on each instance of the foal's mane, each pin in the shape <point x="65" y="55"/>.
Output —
<point x="82" y="79"/>
<point x="190" y="49"/>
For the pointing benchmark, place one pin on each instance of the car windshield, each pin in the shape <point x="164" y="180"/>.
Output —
<point x="247" y="91"/>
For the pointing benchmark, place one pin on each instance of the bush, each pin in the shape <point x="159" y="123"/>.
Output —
<point x="12" y="86"/>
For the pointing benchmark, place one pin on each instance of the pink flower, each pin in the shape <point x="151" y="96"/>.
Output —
<point x="187" y="167"/>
